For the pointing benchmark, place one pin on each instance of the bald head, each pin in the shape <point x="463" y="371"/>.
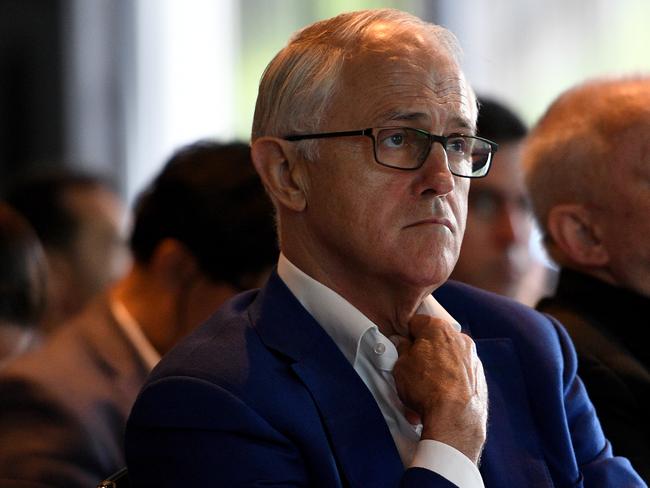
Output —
<point x="587" y="166"/>
<point x="572" y="151"/>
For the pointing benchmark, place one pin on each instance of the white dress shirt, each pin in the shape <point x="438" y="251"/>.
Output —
<point x="373" y="356"/>
<point x="134" y="333"/>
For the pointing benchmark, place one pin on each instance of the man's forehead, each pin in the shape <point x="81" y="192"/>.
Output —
<point x="409" y="85"/>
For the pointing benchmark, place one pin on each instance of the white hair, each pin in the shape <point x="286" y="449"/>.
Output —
<point x="299" y="82"/>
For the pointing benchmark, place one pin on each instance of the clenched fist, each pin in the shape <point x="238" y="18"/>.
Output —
<point x="439" y="376"/>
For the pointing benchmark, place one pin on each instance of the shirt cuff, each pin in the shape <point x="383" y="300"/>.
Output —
<point x="448" y="462"/>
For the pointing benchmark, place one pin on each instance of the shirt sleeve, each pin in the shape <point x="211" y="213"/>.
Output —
<point x="448" y="462"/>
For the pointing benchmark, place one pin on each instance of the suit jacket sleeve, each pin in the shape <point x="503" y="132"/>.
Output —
<point x="598" y="466"/>
<point x="176" y="438"/>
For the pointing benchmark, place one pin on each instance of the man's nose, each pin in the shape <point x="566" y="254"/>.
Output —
<point x="511" y="225"/>
<point x="435" y="172"/>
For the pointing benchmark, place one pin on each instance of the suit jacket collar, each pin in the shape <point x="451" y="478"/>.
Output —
<point x="513" y="437"/>
<point x="353" y="419"/>
<point x="349" y="412"/>
<point x="619" y="313"/>
<point x="110" y="348"/>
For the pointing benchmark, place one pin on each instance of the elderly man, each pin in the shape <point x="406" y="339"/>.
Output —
<point x="588" y="169"/>
<point x="363" y="136"/>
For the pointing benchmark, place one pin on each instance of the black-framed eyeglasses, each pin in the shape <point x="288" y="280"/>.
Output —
<point x="408" y="148"/>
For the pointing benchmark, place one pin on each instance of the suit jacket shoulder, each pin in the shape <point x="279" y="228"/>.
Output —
<point x="616" y="376"/>
<point x="531" y="367"/>
<point x="260" y="393"/>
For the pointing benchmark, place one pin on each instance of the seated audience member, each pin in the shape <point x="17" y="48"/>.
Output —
<point x="588" y="171"/>
<point x="81" y="222"/>
<point x="364" y="137"/>
<point x="495" y="252"/>
<point x="203" y="231"/>
<point x="23" y="275"/>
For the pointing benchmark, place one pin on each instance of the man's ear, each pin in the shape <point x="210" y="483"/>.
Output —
<point x="280" y="171"/>
<point x="575" y="233"/>
<point x="173" y="264"/>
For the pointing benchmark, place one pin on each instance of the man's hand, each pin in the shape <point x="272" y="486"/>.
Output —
<point x="440" y="377"/>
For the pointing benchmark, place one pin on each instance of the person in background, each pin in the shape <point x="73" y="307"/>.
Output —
<point x="344" y="370"/>
<point x="495" y="252"/>
<point x="81" y="223"/>
<point x="23" y="282"/>
<point x="587" y="167"/>
<point x="203" y="232"/>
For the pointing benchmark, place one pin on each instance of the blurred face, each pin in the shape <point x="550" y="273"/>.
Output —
<point x="494" y="254"/>
<point x="390" y="226"/>
<point x="101" y="254"/>
<point x="623" y="209"/>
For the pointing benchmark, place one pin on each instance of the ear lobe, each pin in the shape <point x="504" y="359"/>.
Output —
<point x="280" y="172"/>
<point x="573" y="230"/>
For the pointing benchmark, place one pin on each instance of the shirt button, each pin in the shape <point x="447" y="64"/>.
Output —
<point x="380" y="348"/>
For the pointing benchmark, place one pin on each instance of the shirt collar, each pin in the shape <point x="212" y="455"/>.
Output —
<point x="134" y="333"/>
<point x="343" y="322"/>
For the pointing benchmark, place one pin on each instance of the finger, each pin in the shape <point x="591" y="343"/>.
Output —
<point x="467" y="344"/>
<point x="472" y="361"/>
<point x="418" y="323"/>
<point x="482" y="381"/>
<point x="424" y="325"/>
<point x="401" y="343"/>
<point x="412" y="416"/>
<point x="478" y="376"/>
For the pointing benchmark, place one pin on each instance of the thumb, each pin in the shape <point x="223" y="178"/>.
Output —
<point x="412" y="417"/>
<point x="401" y="343"/>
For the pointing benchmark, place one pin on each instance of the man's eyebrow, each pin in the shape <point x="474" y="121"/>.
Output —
<point x="395" y="115"/>
<point x="457" y="122"/>
<point x="462" y="123"/>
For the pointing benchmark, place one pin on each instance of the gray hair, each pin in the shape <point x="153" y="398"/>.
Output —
<point x="572" y="149"/>
<point x="299" y="82"/>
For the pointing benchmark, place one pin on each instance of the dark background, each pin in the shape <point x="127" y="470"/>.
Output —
<point x="31" y="83"/>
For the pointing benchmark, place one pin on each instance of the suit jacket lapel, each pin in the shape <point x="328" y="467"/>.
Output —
<point x="112" y="352"/>
<point x="349" y="413"/>
<point x="353" y="420"/>
<point x="512" y="438"/>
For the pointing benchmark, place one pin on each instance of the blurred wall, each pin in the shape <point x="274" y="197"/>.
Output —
<point x="116" y="85"/>
<point x="31" y="94"/>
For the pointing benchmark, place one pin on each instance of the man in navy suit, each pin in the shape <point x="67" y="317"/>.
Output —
<point x="344" y="370"/>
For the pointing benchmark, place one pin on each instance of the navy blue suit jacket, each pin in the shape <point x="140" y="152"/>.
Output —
<point x="261" y="396"/>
